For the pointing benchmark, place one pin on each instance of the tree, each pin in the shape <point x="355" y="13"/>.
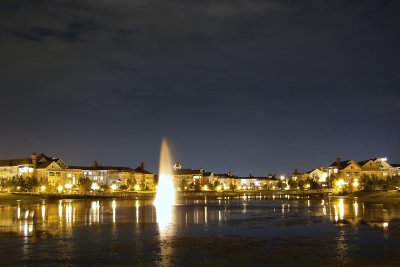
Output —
<point x="293" y="184"/>
<point x="281" y="185"/>
<point x="393" y="182"/>
<point x="301" y="184"/>
<point x="85" y="184"/>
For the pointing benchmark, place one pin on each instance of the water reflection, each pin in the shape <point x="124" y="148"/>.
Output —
<point x="61" y="218"/>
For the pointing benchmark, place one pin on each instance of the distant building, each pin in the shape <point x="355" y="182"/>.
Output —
<point x="347" y="170"/>
<point x="377" y="167"/>
<point x="55" y="172"/>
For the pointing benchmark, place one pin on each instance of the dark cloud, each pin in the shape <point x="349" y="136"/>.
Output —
<point x="252" y="86"/>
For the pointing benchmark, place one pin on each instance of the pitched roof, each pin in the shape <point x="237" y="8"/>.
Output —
<point x="142" y="170"/>
<point x="342" y="164"/>
<point x="101" y="168"/>
<point x="44" y="165"/>
<point x="396" y="165"/>
<point x="361" y="163"/>
<point x="225" y="175"/>
<point x="15" y="162"/>
<point x="187" y="172"/>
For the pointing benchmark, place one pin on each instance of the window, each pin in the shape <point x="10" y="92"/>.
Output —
<point x="51" y="173"/>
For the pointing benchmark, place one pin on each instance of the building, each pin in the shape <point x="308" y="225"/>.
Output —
<point x="189" y="179"/>
<point x="377" y="167"/>
<point x="227" y="181"/>
<point x="55" y="172"/>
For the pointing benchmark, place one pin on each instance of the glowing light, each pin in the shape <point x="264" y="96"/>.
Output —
<point x="355" y="183"/>
<point x="219" y="188"/>
<point x="43" y="188"/>
<point x="95" y="187"/>
<point x="137" y="187"/>
<point x="113" y="187"/>
<point x="68" y="186"/>
<point x="340" y="183"/>
<point x="205" y="188"/>
<point x="60" y="189"/>
<point x="165" y="197"/>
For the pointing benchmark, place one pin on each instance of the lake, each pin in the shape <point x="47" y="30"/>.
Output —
<point x="282" y="231"/>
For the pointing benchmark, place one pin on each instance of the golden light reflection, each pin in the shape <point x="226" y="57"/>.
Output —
<point x="94" y="216"/>
<point x="355" y="205"/>
<point x="60" y="210"/>
<point x="114" y="207"/>
<point x="43" y="209"/>
<point x="339" y="210"/>
<point x="137" y="205"/>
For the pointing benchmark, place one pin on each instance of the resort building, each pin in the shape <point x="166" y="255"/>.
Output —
<point x="186" y="179"/>
<point x="377" y="167"/>
<point x="225" y="180"/>
<point x="55" y="172"/>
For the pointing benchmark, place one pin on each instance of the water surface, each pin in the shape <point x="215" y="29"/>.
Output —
<point x="222" y="232"/>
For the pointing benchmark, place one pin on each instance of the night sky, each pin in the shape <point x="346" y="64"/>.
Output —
<point x="249" y="86"/>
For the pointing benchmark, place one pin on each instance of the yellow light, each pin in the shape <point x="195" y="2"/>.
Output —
<point x="43" y="188"/>
<point x="68" y="186"/>
<point x="137" y="187"/>
<point x="340" y="183"/>
<point x="60" y="189"/>
<point x="356" y="184"/>
<point x="113" y="187"/>
<point x="219" y="188"/>
<point x="95" y="186"/>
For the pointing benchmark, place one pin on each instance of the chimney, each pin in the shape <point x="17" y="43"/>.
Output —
<point x="95" y="164"/>
<point x="142" y="165"/>
<point x="34" y="160"/>
<point x="338" y="162"/>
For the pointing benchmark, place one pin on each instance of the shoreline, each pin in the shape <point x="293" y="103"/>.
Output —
<point x="375" y="197"/>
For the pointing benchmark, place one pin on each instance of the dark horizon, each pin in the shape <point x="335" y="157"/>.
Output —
<point x="244" y="86"/>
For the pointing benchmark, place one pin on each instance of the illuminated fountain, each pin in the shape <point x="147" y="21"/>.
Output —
<point x="164" y="201"/>
<point x="165" y="190"/>
<point x="165" y="197"/>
